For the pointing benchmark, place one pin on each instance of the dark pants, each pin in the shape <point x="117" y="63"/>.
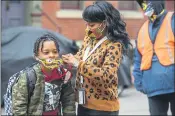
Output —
<point x="159" y="105"/>
<point x="82" y="111"/>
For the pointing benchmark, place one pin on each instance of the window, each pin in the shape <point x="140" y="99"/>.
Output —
<point x="127" y="5"/>
<point x="169" y="5"/>
<point x="77" y="5"/>
<point x="14" y="1"/>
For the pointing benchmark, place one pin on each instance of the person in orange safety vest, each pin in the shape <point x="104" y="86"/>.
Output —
<point x="154" y="67"/>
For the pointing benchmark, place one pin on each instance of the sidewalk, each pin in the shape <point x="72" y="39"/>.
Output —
<point x="133" y="102"/>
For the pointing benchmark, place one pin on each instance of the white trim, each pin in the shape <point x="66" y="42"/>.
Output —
<point x="166" y="41"/>
<point x="132" y="14"/>
<point x="78" y="14"/>
<point x="88" y="52"/>
<point x="143" y="38"/>
<point x="69" y="14"/>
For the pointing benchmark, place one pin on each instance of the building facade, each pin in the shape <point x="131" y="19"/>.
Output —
<point x="20" y="13"/>
<point x="66" y="16"/>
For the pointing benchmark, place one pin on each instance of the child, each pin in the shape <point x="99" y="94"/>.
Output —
<point x="52" y="91"/>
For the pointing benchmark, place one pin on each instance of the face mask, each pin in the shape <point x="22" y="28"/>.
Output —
<point x="89" y="33"/>
<point x="149" y="10"/>
<point x="95" y="33"/>
<point x="51" y="63"/>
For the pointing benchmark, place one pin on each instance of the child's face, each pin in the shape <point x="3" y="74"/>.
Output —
<point x="48" y="51"/>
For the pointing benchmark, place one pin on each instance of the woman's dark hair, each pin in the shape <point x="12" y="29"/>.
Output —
<point x="116" y="28"/>
<point x="39" y="43"/>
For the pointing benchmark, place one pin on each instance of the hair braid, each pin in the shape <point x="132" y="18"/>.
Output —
<point x="39" y="42"/>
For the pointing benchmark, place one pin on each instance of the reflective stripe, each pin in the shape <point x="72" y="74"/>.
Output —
<point x="166" y="42"/>
<point x="143" y="43"/>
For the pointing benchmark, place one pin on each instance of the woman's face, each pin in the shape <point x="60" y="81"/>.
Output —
<point x="95" y="29"/>
<point x="48" y="51"/>
<point x="93" y="25"/>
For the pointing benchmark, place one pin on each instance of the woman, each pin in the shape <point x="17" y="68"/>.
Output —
<point x="97" y="63"/>
<point x="52" y="88"/>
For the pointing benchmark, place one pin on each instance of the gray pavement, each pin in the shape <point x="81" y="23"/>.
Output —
<point x="132" y="102"/>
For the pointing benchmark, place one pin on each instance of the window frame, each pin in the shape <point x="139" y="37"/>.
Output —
<point x="135" y="8"/>
<point x="65" y="5"/>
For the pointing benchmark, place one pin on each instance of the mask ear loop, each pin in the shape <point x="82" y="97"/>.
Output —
<point x="38" y="60"/>
<point x="103" y="27"/>
<point x="104" y="13"/>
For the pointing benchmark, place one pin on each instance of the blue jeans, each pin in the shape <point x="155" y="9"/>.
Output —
<point x="82" y="111"/>
<point x="159" y="105"/>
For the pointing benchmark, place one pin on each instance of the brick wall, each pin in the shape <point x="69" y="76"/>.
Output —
<point x="133" y="26"/>
<point x="73" y="28"/>
<point x="50" y="8"/>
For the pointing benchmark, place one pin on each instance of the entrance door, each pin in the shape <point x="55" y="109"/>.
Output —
<point x="12" y="13"/>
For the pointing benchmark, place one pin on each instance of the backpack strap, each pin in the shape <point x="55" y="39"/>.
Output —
<point x="31" y="80"/>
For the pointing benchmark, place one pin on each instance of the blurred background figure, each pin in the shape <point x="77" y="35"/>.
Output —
<point x="154" y="58"/>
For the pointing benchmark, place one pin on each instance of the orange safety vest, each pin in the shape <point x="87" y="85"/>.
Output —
<point x="163" y="46"/>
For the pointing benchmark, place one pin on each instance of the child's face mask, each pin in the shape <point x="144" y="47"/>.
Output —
<point x="51" y="63"/>
<point x="95" y="33"/>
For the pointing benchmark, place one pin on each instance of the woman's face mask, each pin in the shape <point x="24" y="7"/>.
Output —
<point x="95" y="32"/>
<point x="51" y="63"/>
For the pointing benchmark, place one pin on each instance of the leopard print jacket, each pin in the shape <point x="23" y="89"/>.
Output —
<point x="99" y="73"/>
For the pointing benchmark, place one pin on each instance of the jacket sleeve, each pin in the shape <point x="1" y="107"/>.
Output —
<point x="137" y="73"/>
<point x="68" y="100"/>
<point x="110" y="66"/>
<point x="20" y="96"/>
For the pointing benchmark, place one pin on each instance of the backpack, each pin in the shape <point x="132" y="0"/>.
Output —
<point x="31" y="80"/>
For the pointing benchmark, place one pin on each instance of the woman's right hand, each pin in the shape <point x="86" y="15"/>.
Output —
<point x="70" y="59"/>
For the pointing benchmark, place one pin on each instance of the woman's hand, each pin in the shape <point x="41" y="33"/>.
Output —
<point x="70" y="59"/>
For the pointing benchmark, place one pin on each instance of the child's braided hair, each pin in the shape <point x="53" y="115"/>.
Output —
<point x="39" y="42"/>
